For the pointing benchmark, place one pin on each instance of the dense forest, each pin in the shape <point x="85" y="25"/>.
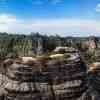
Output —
<point x="35" y="43"/>
<point x="28" y="44"/>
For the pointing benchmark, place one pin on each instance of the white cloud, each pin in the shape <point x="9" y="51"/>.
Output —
<point x="9" y="23"/>
<point x="98" y="8"/>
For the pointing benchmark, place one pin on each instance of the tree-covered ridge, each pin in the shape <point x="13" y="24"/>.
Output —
<point x="27" y="44"/>
<point x="35" y="43"/>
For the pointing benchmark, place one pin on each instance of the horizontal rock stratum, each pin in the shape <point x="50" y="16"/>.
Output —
<point x="58" y="76"/>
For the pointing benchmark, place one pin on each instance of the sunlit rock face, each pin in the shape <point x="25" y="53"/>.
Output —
<point x="20" y="85"/>
<point x="2" y="84"/>
<point x="61" y="77"/>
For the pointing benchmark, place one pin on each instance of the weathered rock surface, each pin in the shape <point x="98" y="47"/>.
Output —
<point x="55" y="80"/>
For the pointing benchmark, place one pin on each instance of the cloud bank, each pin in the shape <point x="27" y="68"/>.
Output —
<point x="62" y="26"/>
<point x="98" y="7"/>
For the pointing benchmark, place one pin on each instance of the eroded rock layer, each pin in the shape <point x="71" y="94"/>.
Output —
<point x="53" y="79"/>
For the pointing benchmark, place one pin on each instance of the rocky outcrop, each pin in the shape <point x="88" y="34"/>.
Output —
<point x="56" y="79"/>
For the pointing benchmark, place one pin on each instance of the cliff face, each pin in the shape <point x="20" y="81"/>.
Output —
<point x="54" y="79"/>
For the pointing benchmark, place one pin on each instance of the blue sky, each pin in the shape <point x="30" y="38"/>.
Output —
<point x="64" y="17"/>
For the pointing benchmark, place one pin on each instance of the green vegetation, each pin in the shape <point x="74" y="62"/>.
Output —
<point x="13" y="45"/>
<point x="26" y="45"/>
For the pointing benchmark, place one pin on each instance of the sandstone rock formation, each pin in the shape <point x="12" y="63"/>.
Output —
<point x="60" y="78"/>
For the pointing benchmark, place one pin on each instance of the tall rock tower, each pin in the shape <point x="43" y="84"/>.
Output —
<point x="92" y="44"/>
<point x="39" y="46"/>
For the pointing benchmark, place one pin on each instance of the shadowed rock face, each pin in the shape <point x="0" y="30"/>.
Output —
<point x="93" y="83"/>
